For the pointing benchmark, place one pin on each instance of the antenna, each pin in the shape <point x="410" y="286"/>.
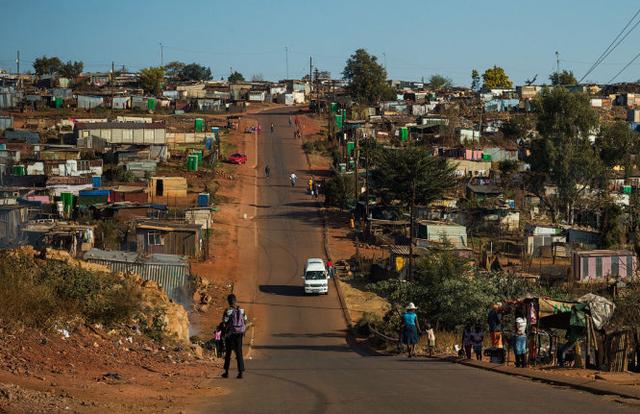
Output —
<point x="557" y="62"/>
<point x="161" y="54"/>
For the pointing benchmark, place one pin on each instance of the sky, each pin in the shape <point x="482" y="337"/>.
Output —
<point x="414" y="39"/>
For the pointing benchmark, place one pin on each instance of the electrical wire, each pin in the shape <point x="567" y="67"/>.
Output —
<point x="625" y="67"/>
<point x="614" y="44"/>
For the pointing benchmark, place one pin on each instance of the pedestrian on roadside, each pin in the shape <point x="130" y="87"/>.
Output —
<point x="289" y="121"/>
<point x="217" y="340"/>
<point x="293" y="177"/>
<point x="234" y="320"/>
<point x="315" y="189"/>
<point x="431" y="339"/>
<point x="410" y="329"/>
<point x="494" y="320"/>
<point x="477" y="337"/>
<point x="310" y="183"/>
<point x="267" y="171"/>
<point x="520" y="340"/>
<point x="330" y="267"/>
<point x="467" y="345"/>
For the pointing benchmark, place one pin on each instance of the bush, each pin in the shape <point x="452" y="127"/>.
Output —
<point x="39" y="293"/>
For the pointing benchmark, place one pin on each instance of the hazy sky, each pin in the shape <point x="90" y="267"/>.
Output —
<point x="418" y="38"/>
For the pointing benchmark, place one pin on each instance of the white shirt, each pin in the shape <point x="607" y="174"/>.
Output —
<point x="521" y="326"/>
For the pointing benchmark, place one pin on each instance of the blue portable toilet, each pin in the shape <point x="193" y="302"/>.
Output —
<point x="208" y="143"/>
<point x="96" y="181"/>
<point x="203" y="200"/>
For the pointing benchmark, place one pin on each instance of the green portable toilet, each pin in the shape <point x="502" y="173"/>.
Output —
<point x="58" y="102"/>
<point x="151" y="104"/>
<point x="339" y="121"/>
<point x="198" y="154"/>
<point x="486" y="157"/>
<point x="19" y="170"/>
<point x="67" y="201"/>
<point x="192" y="162"/>
<point x="404" y="134"/>
<point x="626" y="189"/>
<point x="199" y="125"/>
<point x="342" y="167"/>
<point x="334" y="107"/>
<point x="350" y="147"/>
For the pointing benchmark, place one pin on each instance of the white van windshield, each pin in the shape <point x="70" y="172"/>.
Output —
<point x="314" y="275"/>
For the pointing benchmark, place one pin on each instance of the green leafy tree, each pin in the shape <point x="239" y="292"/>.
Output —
<point x="339" y="191"/>
<point x="475" y="80"/>
<point x="565" y="77"/>
<point x="173" y="70"/>
<point x="438" y="82"/>
<point x="413" y="176"/>
<point x="47" y="66"/>
<point x="496" y="78"/>
<point x="235" y="77"/>
<point x="618" y="145"/>
<point x="152" y="79"/>
<point x="614" y="228"/>
<point x="195" y="72"/>
<point x="563" y="155"/>
<point x="71" y="69"/>
<point x="367" y="78"/>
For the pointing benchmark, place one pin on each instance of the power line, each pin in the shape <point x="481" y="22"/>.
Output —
<point x="613" y="45"/>
<point x="625" y="67"/>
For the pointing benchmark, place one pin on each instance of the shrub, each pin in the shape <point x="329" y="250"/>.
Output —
<point x="339" y="192"/>
<point x="38" y="293"/>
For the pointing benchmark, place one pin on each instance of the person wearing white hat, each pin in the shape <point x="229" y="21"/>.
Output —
<point x="410" y="329"/>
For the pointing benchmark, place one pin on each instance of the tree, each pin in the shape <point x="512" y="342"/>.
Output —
<point x="173" y="70"/>
<point x="413" y="176"/>
<point x="339" y="191"/>
<point x="235" y="77"/>
<point x="565" y="77"/>
<point x="563" y="155"/>
<point x="618" y="145"/>
<point x="496" y="78"/>
<point x="438" y="82"/>
<point x="47" y="66"/>
<point x="195" y="72"/>
<point x="475" y="80"/>
<point x="152" y="79"/>
<point x="71" y="69"/>
<point x="367" y="78"/>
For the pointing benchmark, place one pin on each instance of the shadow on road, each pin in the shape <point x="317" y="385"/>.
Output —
<point x="293" y="347"/>
<point x="307" y="204"/>
<point x="336" y="334"/>
<point x="282" y="290"/>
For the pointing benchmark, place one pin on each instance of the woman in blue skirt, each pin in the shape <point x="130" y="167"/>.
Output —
<point x="410" y="329"/>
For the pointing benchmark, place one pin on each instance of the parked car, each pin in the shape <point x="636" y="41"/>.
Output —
<point x="237" y="158"/>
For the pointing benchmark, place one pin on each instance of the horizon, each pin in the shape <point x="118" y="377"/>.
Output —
<point x="257" y="39"/>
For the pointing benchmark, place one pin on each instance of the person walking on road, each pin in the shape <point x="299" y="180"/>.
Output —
<point x="431" y="339"/>
<point x="289" y="121"/>
<point x="330" y="267"/>
<point x="234" y="320"/>
<point x="410" y="329"/>
<point x="272" y="128"/>
<point x="267" y="171"/>
<point x="293" y="177"/>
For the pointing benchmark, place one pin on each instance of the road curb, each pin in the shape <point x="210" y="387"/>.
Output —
<point x="590" y="385"/>
<point x="327" y="252"/>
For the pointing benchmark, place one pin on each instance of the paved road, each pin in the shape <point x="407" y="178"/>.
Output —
<point x="301" y="363"/>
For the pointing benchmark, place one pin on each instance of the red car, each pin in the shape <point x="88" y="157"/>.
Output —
<point x="237" y="158"/>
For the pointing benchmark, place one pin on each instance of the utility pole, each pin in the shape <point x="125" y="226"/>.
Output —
<point x="357" y="190"/>
<point x="311" y="73"/>
<point x="286" y="59"/>
<point x="18" y="62"/>
<point x="557" y="62"/>
<point x="161" y="54"/>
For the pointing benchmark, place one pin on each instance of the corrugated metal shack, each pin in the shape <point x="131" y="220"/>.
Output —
<point x="170" y="271"/>
<point x="124" y="132"/>
<point x="12" y="218"/>
<point x="169" y="238"/>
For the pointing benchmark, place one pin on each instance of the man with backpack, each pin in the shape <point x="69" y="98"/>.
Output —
<point x="234" y="321"/>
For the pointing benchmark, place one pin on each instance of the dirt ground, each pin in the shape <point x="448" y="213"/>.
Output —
<point x="95" y="371"/>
